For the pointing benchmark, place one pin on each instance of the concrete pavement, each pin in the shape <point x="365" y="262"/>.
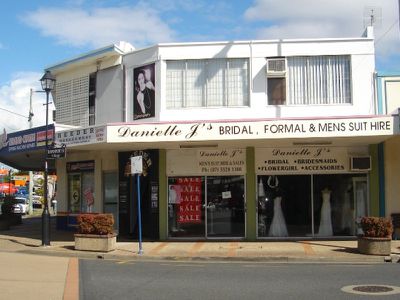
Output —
<point x="26" y="238"/>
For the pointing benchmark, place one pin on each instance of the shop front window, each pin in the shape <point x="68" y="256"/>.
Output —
<point x="186" y="206"/>
<point x="311" y="205"/>
<point x="206" y="206"/>
<point x="81" y="192"/>
<point x="284" y="206"/>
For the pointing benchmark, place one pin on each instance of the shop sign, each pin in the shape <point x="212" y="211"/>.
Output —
<point x="262" y="129"/>
<point x="206" y="162"/>
<point x="90" y="135"/>
<point x="301" y="160"/>
<point x="226" y="161"/>
<point x="26" y="140"/>
<point x="80" y="166"/>
<point x="56" y="152"/>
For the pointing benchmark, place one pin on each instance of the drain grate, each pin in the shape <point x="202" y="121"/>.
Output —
<point x="371" y="289"/>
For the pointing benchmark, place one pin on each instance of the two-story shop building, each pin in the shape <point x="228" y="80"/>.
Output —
<point x="260" y="139"/>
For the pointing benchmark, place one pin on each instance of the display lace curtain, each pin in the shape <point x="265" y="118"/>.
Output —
<point x="318" y="80"/>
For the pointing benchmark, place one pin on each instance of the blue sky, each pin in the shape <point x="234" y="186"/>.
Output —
<point x="37" y="34"/>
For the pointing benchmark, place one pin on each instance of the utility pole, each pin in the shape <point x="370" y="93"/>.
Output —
<point x="30" y="172"/>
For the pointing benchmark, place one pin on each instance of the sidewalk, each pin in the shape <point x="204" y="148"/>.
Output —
<point x="26" y="238"/>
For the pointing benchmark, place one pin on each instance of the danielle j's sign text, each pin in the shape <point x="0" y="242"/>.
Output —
<point x="250" y="130"/>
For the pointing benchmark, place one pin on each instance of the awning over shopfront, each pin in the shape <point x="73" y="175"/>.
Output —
<point x="339" y="131"/>
<point x="25" y="150"/>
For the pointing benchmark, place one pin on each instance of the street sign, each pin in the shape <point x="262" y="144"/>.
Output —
<point x="56" y="152"/>
<point x="136" y="165"/>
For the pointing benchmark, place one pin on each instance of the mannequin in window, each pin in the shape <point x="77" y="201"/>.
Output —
<point x="278" y="224"/>
<point x="325" y="225"/>
<point x="347" y="221"/>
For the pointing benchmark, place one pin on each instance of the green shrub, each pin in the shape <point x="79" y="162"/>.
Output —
<point x="376" y="227"/>
<point x="101" y="224"/>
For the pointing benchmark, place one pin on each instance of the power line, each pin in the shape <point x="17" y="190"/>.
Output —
<point x="11" y="112"/>
<point x="386" y="32"/>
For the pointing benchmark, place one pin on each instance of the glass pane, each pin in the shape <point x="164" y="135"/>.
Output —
<point x="225" y="206"/>
<point x="87" y="191"/>
<point x="111" y="195"/>
<point x="238" y="82"/>
<point x="74" y="192"/>
<point x="195" y="81"/>
<point x="338" y="200"/>
<point x="276" y="91"/>
<point x="174" y="83"/>
<point x="216" y="82"/>
<point x="284" y="206"/>
<point x="186" y="207"/>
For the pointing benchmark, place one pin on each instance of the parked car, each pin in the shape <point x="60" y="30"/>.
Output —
<point x="20" y="206"/>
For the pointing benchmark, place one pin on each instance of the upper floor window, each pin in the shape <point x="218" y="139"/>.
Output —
<point x="210" y="82"/>
<point x="309" y="80"/>
<point x="92" y="98"/>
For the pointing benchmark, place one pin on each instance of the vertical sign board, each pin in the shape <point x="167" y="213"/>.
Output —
<point x="136" y="165"/>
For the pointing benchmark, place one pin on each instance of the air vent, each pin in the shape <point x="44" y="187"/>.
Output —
<point x="360" y="163"/>
<point x="276" y="67"/>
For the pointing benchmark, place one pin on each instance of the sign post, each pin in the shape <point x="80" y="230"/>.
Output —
<point x="137" y="168"/>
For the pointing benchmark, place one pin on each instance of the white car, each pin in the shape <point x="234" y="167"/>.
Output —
<point x="21" y="206"/>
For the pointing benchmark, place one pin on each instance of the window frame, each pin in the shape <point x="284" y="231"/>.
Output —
<point x="205" y="87"/>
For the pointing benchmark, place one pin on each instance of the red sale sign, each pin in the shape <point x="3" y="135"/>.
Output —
<point x="190" y="200"/>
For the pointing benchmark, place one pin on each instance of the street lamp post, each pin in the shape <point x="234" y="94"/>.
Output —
<point x="47" y="81"/>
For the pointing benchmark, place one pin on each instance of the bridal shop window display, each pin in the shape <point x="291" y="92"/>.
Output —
<point x="325" y="225"/>
<point x="277" y="226"/>
<point x="284" y="206"/>
<point x="339" y="200"/>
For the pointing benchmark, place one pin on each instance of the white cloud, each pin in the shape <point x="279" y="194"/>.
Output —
<point x="140" y="25"/>
<point x="316" y="18"/>
<point x="14" y="102"/>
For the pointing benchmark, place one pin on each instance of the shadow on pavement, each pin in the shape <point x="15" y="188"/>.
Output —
<point x="31" y="228"/>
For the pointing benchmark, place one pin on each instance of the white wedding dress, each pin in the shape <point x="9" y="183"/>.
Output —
<point x="278" y="224"/>
<point x="325" y="225"/>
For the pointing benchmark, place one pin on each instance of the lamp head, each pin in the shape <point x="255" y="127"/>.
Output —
<point x="48" y="80"/>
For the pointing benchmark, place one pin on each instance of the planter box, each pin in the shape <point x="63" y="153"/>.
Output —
<point x="94" y="242"/>
<point x="374" y="246"/>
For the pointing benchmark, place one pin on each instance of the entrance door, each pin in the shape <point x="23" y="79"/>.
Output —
<point x="111" y="195"/>
<point x="225" y="206"/>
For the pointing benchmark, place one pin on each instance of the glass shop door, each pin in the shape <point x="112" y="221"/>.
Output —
<point x="225" y="203"/>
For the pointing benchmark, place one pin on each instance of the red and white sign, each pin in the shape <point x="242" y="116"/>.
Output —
<point x="189" y="207"/>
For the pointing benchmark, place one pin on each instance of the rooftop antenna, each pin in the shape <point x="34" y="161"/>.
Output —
<point x="372" y="16"/>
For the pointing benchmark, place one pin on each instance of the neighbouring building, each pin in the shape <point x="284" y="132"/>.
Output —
<point x="258" y="139"/>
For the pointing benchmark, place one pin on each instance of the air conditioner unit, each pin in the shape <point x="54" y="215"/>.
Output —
<point x="276" y="67"/>
<point x="360" y="163"/>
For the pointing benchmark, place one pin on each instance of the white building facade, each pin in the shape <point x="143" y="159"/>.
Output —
<point x="239" y="140"/>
